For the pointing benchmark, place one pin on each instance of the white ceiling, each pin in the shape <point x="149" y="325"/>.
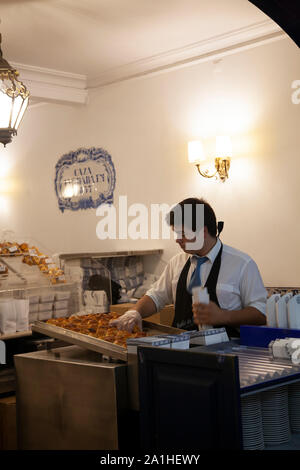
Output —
<point x="96" y="38"/>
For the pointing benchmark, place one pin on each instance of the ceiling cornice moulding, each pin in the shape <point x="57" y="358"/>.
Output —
<point x="215" y="47"/>
<point x="58" y="86"/>
<point x="53" y="85"/>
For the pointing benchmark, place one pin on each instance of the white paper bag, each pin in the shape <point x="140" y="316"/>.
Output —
<point x="8" y="323"/>
<point x="22" y="314"/>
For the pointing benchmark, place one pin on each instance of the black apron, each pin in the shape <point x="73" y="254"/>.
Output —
<point x="183" y="318"/>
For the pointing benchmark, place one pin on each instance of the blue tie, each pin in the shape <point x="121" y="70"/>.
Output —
<point x="195" y="278"/>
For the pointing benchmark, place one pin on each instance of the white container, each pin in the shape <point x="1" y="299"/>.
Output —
<point x="293" y="308"/>
<point x="271" y="310"/>
<point x="201" y="295"/>
<point x="33" y="317"/>
<point x="133" y="343"/>
<point x="33" y="308"/>
<point x="181" y="341"/>
<point x="22" y="314"/>
<point x="279" y="348"/>
<point x="60" y="313"/>
<point x="47" y="297"/>
<point x="34" y="299"/>
<point x="45" y="315"/>
<point x="95" y="297"/>
<point x="43" y="307"/>
<point x="281" y="311"/>
<point x="62" y="295"/>
<point x="60" y="304"/>
<point x="8" y="317"/>
<point x="209" y="336"/>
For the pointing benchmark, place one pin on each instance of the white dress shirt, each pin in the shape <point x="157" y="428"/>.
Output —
<point x="239" y="283"/>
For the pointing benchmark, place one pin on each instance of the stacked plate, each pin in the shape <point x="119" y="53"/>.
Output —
<point x="294" y="407"/>
<point x="275" y="416"/>
<point x="252" y="423"/>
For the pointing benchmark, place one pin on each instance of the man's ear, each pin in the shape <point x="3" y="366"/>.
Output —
<point x="205" y="232"/>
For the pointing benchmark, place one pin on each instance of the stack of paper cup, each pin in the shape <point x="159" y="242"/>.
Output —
<point x="275" y="415"/>
<point x="294" y="406"/>
<point x="253" y="438"/>
<point x="201" y="295"/>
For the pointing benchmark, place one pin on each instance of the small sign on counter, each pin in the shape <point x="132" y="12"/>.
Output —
<point x="158" y="341"/>
<point x="181" y="341"/>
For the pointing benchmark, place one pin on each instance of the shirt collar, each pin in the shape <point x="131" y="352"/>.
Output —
<point x="211" y="255"/>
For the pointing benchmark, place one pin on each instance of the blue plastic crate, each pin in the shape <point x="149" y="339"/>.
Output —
<point x="261" y="336"/>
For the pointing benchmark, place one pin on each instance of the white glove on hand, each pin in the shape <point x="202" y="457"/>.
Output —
<point x="127" y="321"/>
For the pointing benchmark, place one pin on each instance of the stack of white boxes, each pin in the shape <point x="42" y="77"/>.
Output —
<point x="181" y="341"/>
<point x="48" y="305"/>
<point x="46" y="302"/>
<point x="61" y="304"/>
<point x="33" y="308"/>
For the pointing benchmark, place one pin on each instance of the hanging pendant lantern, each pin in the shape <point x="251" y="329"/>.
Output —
<point x="13" y="100"/>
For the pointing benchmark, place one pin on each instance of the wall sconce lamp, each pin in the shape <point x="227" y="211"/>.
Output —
<point x="222" y="157"/>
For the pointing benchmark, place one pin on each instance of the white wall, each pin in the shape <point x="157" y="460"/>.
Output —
<point x="145" y="125"/>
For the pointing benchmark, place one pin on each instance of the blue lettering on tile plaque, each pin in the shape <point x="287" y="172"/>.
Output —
<point x="84" y="179"/>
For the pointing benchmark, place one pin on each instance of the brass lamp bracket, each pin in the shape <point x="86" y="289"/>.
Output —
<point x="222" y="166"/>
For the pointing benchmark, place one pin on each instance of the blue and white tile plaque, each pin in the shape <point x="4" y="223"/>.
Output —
<point x="84" y="179"/>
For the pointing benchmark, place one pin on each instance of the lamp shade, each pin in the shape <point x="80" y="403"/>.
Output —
<point x="223" y="147"/>
<point x="195" y="151"/>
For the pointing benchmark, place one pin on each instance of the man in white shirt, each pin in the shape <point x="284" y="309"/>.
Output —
<point x="233" y="281"/>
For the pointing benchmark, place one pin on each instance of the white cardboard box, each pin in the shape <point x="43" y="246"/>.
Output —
<point x="133" y="343"/>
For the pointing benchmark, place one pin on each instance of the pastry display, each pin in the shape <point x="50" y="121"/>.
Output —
<point x="24" y="247"/>
<point x="33" y="257"/>
<point x="10" y="249"/>
<point x="98" y="326"/>
<point x="45" y="264"/>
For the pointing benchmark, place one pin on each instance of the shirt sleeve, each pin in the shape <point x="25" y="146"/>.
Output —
<point x="253" y="292"/>
<point x="161" y="291"/>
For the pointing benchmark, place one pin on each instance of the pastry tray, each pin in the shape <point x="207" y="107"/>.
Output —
<point x="95" y="344"/>
<point x="9" y="255"/>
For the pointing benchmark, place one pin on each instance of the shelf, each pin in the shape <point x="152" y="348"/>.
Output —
<point x="18" y="334"/>
<point x="27" y="287"/>
<point x="111" y="254"/>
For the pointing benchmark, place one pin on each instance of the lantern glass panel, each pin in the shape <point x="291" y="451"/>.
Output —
<point x="18" y="101"/>
<point x="22" y="111"/>
<point x="5" y="109"/>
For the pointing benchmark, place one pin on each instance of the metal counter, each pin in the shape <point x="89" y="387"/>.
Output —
<point x="69" y="398"/>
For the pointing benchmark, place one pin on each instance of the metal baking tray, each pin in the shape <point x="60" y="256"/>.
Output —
<point x="95" y="344"/>
<point x="13" y="255"/>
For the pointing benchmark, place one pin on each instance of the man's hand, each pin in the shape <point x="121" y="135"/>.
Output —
<point x="127" y="321"/>
<point x="209" y="314"/>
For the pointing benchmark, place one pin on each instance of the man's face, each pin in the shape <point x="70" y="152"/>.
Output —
<point x="189" y="241"/>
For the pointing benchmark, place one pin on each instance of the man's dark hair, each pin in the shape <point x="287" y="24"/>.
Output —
<point x="210" y="220"/>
